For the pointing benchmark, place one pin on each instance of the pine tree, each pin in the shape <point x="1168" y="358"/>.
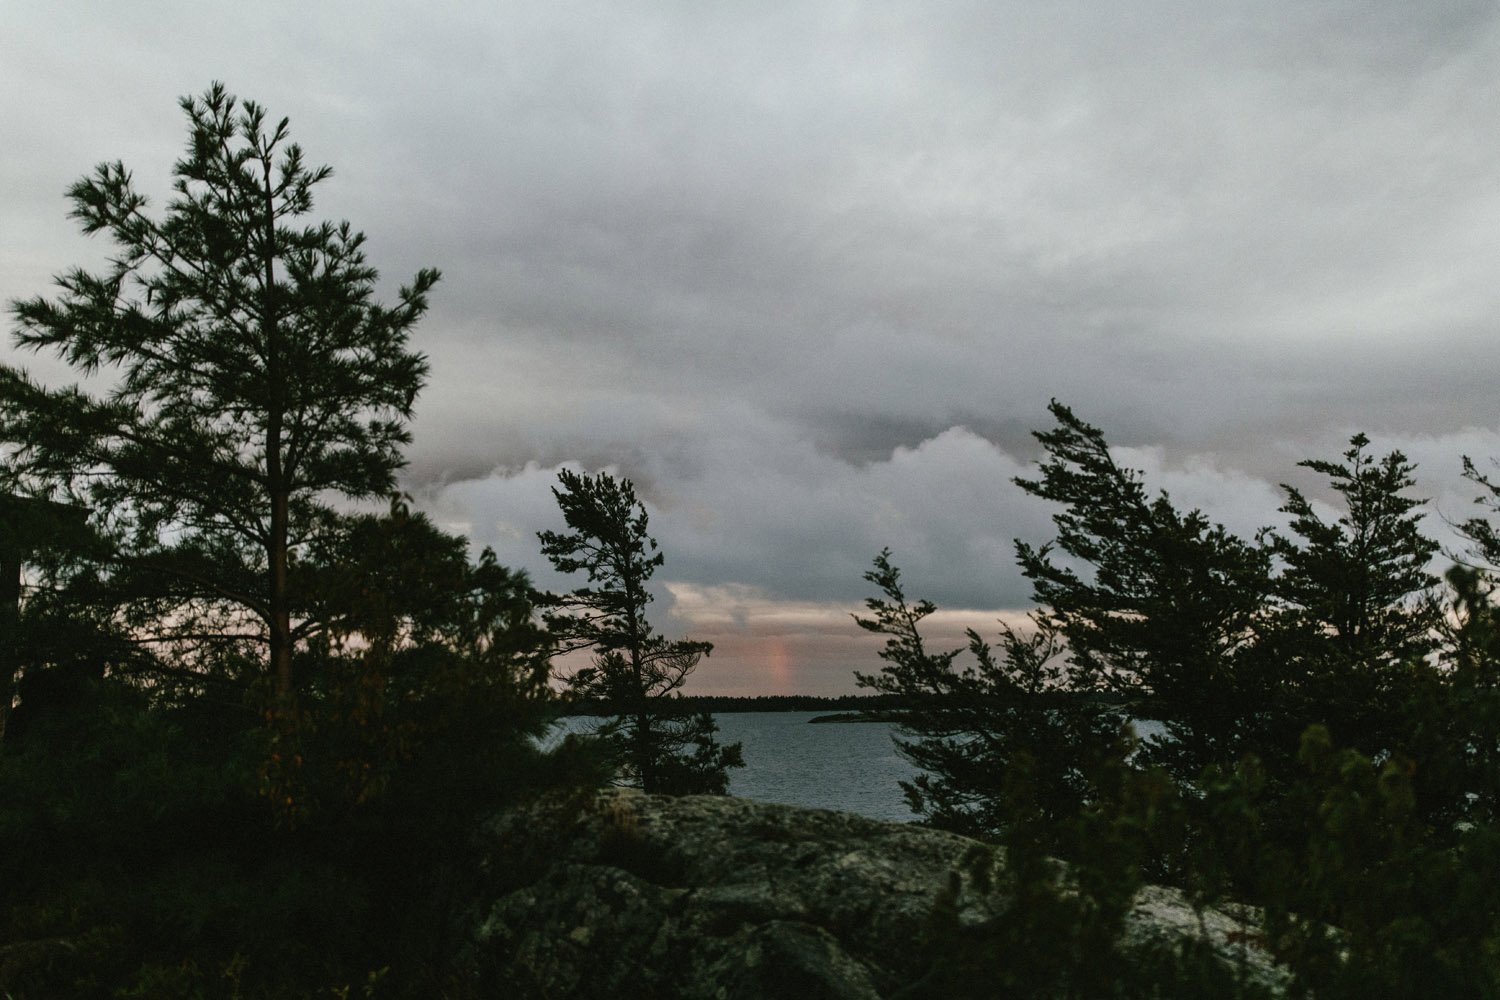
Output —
<point x="1156" y="605"/>
<point x="992" y="732"/>
<point x="239" y="374"/>
<point x="1481" y="532"/>
<point x="635" y="670"/>
<point x="1361" y="580"/>
<point x="426" y="657"/>
<point x="1357" y="613"/>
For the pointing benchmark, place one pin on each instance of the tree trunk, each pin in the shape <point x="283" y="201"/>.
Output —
<point x="10" y="620"/>
<point x="276" y="485"/>
<point x="281" y="614"/>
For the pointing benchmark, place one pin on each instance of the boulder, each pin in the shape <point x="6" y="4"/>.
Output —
<point x="714" y="897"/>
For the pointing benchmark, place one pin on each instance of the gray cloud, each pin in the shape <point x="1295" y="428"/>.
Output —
<point x="810" y="272"/>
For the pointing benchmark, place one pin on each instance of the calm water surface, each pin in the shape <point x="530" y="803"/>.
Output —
<point x="849" y="766"/>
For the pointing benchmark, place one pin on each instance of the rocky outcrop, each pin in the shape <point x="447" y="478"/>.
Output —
<point x="629" y="895"/>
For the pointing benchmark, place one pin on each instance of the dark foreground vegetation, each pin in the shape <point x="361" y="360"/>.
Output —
<point x="1332" y="744"/>
<point x="255" y="710"/>
<point x="249" y="726"/>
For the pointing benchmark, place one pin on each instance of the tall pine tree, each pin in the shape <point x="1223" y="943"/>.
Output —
<point x="239" y="374"/>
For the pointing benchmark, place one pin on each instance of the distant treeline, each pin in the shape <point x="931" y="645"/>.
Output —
<point x="714" y="704"/>
<point x="761" y="703"/>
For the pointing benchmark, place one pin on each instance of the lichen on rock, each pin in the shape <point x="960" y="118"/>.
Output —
<point x="718" y="897"/>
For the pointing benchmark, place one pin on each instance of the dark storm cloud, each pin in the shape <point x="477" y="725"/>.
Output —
<point x="810" y="272"/>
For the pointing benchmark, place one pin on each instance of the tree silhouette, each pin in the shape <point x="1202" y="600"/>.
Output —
<point x="635" y="670"/>
<point x="1154" y="604"/>
<point x="239" y="374"/>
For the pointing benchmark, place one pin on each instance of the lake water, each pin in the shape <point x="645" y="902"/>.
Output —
<point x="849" y="766"/>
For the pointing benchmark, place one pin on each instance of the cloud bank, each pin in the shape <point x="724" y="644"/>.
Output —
<point x="810" y="272"/>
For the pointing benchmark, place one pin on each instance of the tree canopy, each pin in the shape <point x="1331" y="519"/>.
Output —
<point x="635" y="670"/>
<point x="1329" y="750"/>
<point x="236" y="371"/>
<point x="259" y="718"/>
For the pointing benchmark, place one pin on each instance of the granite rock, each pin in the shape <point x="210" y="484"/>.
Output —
<point x="714" y="897"/>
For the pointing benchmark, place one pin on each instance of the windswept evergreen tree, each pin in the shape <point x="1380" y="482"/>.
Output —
<point x="1332" y="752"/>
<point x="635" y="670"/>
<point x="1471" y="649"/>
<point x="1356" y="611"/>
<point x="1481" y="532"/>
<point x="1361" y="582"/>
<point x="1154" y="604"/>
<point x="988" y="731"/>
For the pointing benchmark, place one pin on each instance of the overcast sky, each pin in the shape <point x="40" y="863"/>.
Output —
<point x="809" y="272"/>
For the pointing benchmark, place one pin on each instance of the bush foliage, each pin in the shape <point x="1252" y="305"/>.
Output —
<point x="1328" y="708"/>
